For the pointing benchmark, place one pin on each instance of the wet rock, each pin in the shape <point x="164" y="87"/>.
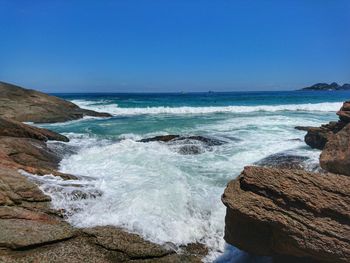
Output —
<point x="190" y="149"/>
<point x="284" y="161"/>
<point x="17" y="129"/>
<point x="172" y="138"/>
<point x="21" y="104"/>
<point x="335" y="157"/>
<point x="273" y="212"/>
<point x="162" y="138"/>
<point x="187" y="145"/>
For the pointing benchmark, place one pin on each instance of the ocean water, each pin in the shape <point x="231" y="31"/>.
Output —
<point x="152" y="188"/>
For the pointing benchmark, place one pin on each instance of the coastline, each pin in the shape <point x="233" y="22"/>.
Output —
<point x="26" y="205"/>
<point x="33" y="231"/>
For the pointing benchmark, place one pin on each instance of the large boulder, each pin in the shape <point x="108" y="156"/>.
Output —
<point x="335" y="157"/>
<point x="273" y="212"/>
<point x="33" y="106"/>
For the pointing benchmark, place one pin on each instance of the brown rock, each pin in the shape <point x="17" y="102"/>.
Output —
<point x="344" y="112"/>
<point x="29" y="152"/>
<point x="19" y="233"/>
<point x="18" y="129"/>
<point x="335" y="157"/>
<point x="317" y="137"/>
<point x="15" y="188"/>
<point x="289" y="212"/>
<point x="33" y="106"/>
<point x="133" y="245"/>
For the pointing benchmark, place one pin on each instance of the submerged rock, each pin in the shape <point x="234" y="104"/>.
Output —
<point x="33" y="106"/>
<point x="187" y="144"/>
<point x="284" y="161"/>
<point x="281" y="212"/>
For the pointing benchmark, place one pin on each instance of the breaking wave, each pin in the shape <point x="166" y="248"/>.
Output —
<point x="115" y="110"/>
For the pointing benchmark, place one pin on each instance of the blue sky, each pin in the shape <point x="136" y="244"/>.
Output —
<point x="182" y="45"/>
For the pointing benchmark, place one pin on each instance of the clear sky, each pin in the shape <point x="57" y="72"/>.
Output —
<point x="180" y="45"/>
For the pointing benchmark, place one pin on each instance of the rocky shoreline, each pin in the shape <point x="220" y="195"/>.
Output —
<point x="274" y="209"/>
<point x="31" y="231"/>
<point x="293" y="215"/>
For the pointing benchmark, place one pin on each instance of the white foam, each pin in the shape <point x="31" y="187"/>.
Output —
<point x="152" y="190"/>
<point x="115" y="110"/>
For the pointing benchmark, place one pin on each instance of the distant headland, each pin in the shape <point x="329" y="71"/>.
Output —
<point x="326" y="86"/>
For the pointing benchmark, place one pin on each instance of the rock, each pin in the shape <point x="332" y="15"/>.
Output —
<point x="283" y="161"/>
<point x="21" y="104"/>
<point x="317" y="137"/>
<point x="29" y="152"/>
<point x="190" y="149"/>
<point x="335" y="157"/>
<point x="344" y="112"/>
<point x="171" y="138"/>
<point x="16" y="189"/>
<point x="19" y="233"/>
<point x="133" y="245"/>
<point x="73" y="250"/>
<point x="17" y="129"/>
<point x="161" y="138"/>
<point x="272" y="212"/>
<point x="187" y="145"/>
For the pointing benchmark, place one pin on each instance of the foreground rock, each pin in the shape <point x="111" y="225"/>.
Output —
<point x="21" y="104"/>
<point x="335" y="157"/>
<point x="290" y="213"/>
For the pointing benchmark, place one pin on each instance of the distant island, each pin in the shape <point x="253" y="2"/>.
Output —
<point x="326" y="86"/>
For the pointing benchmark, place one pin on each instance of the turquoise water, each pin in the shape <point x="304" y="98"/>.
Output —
<point x="152" y="188"/>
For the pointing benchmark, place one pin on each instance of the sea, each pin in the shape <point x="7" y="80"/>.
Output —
<point x="155" y="190"/>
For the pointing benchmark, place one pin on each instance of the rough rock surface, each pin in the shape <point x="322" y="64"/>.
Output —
<point x="18" y="129"/>
<point x="317" y="137"/>
<point x="344" y="112"/>
<point x="335" y="157"/>
<point x="21" y="104"/>
<point x="289" y="212"/>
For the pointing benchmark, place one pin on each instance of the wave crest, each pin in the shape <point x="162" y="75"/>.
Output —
<point x="115" y="110"/>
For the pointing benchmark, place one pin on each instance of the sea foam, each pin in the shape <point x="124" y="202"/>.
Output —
<point x="114" y="109"/>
